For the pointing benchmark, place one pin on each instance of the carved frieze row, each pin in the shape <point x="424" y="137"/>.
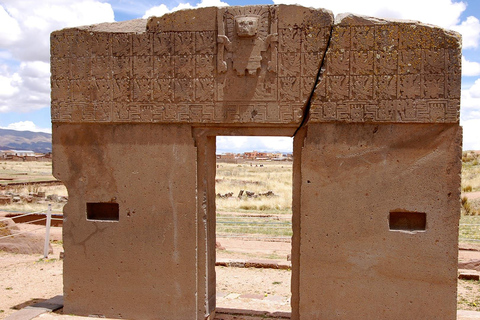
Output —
<point x="397" y="72"/>
<point x="406" y="61"/>
<point x="138" y="90"/>
<point x="77" y="43"/>
<point x="291" y="89"/>
<point x="390" y="36"/>
<point x="138" y="67"/>
<point x="402" y="111"/>
<point x="414" y="86"/>
<point x="178" y="113"/>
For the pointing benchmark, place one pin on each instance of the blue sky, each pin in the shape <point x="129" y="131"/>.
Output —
<point x="25" y="26"/>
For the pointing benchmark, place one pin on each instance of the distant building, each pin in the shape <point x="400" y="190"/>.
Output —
<point x="255" y="155"/>
<point x="226" y="156"/>
<point x="24" y="153"/>
<point x="10" y="154"/>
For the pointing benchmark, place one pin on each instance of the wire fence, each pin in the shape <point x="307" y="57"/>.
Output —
<point x="271" y="229"/>
<point x="263" y="228"/>
<point x="46" y="215"/>
<point x="248" y="227"/>
<point x="469" y="232"/>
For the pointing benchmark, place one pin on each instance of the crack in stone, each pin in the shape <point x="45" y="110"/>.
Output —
<point x="306" y="113"/>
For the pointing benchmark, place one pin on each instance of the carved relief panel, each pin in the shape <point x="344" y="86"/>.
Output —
<point x="247" y="43"/>
<point x="389" y="72"/>
<point x="264" y="57"/>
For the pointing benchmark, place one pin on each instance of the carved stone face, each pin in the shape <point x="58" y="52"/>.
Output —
<point x="246" y="26"/>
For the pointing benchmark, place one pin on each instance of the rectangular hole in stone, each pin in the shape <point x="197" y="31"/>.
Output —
<point x="105" y="211"/>
<point x="408" y="221"/>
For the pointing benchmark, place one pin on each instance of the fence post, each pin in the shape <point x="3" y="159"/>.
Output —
<point x="47" y="231"/>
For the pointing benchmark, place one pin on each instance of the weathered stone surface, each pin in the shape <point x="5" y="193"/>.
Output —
<point x="389" y="71"/>
<point x="188" y="66"/>
<point x="373" y="106"/>
<point x="5" y="200"/>
<point x="348" y="255"/>
<point x="468" y="275"/>
<point x="146" y="258"/>
<point x="469" y="265"/>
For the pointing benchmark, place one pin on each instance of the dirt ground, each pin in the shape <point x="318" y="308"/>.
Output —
<point x="25" y="279"/>
<point x="471" y="195"/>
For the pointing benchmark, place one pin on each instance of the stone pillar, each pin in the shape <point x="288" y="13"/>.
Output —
<point x="380" y="175"/>
<point x="357" y="260"/>
<point x="373" y="106"/>
<point x="130" y="222"/>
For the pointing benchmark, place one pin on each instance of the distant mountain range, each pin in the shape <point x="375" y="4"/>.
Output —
<point x="25" y="140"/>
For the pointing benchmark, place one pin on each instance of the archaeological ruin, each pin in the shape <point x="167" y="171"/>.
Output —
<point x="372" y="104"/>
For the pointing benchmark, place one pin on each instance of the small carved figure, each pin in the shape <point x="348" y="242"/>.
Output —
<point x="246" y="47"/>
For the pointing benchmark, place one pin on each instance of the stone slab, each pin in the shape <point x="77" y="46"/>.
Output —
<point x="37" y="309"/>
<point x="25" y="314"/>
<point x="374" y="108"/>
<point x="52" y="304"/>
<point x="468" y="315"/>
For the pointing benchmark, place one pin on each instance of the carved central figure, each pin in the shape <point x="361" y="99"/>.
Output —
<point x="246" y="26"/>
<point x="246" y="37"/>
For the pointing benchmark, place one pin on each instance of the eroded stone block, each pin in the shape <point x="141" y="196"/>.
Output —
<point x="373" y="105"/>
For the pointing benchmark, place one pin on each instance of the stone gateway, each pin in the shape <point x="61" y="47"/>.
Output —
<point x="373" y="106"/>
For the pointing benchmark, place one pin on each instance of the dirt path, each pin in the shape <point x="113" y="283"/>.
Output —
<point x="27" y="277"/>
<point x="471" y="195"/>
<point x="256" y="215"/>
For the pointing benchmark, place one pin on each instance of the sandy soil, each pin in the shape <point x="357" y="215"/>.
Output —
<point x="471" y="195"/>
<point x="24" y="279"/>
<point x="28" y="278"/>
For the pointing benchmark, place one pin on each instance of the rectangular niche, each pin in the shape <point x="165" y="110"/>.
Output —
<point x="103" y="211"/>
<point x="407" y="221"/>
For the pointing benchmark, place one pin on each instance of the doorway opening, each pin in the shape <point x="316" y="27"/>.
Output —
<point x="253" y="200"/>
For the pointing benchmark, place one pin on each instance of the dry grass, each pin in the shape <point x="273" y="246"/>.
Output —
<point x="14" y="171"/>
<point x="270" y="225"/>
<point x="24" y="206"/>
<point x="24" y="172"/>
<point x="470" y="181"/>
<point x="468" y="296"/>
<point x="470" y="171"/>
<point x="258" y="177"/>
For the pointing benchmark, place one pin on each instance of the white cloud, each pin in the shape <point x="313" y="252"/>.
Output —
<point x="8" y="87"/>
<point x="443" y="13"/>
<point x="244" y="143"/>
<point x="470" y="30"/>
<point x="470" y="68"/>
<point x="439" y="12"/>
<point x="471" y="97"/>
<point x="162" y="9"/>
<point x="212" y="3"/>
<point x="470" y="116"/>
<point x="26" y="89"/>
<point x="27" y="126"/>
<point x="9" y="28"/>
<point x="471" y="134"/>
<point x="27" y="24"/>
<point x="25" y="28"/>
<point x="156" y="11"/>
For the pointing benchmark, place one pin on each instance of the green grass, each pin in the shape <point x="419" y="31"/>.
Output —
<point x="22" y="172"/>
<point x="470" y="171"/>
<point x="261" y="226"/>
<point x="468" y="297"/>
<point x="467" y="230"/>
